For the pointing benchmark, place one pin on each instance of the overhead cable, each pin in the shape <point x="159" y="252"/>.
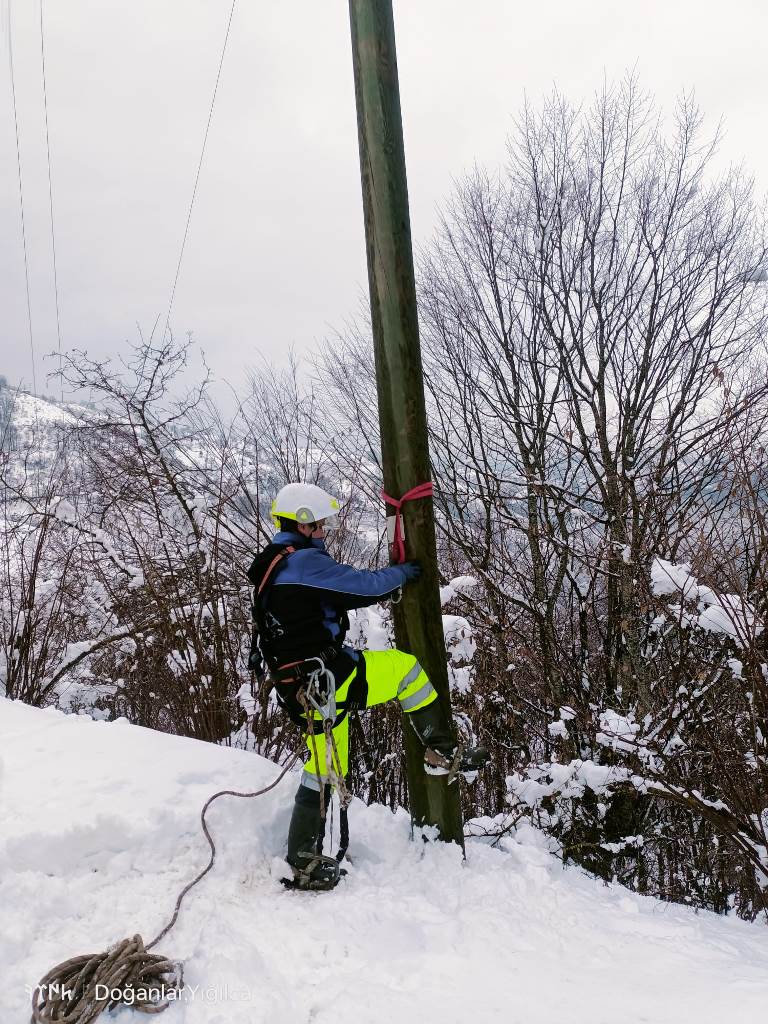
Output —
<point x="197" y="176"/>
<point x="21" y="194"/>
<point x="50" y="195"/>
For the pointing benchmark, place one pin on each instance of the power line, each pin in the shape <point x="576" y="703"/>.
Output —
<point x="21" y="195"/>
<point x="50" y="194"/>
<point x="197" y="176"/>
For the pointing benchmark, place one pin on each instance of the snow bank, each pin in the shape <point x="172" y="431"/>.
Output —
<point x="100" y="829"/>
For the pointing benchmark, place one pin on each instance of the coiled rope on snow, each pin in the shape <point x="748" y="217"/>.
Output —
<point x="78" y="990"/>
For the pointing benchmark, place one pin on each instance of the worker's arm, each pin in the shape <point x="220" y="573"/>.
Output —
<point x="342" y="585"/>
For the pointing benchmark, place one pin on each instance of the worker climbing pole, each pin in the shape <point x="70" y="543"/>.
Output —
<point x="71" y="991"/>
<point x="399" y="379"/>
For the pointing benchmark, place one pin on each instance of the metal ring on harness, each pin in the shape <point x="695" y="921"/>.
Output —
<point x="327" y="712"/>
<point x="355" y="700"/>
<point x="313" y="691"/>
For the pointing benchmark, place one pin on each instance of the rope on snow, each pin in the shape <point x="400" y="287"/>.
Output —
<point x="78" y="990"/>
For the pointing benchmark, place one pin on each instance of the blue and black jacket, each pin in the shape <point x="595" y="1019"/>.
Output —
<point x="302" y="612"/>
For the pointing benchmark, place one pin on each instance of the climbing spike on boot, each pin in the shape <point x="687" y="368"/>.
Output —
<point x="318" y="873"/>
<point x="442" y="756"/>
<point x="461" y="760"/>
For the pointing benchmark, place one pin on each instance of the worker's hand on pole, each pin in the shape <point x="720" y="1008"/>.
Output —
<point x="412" y="570"/>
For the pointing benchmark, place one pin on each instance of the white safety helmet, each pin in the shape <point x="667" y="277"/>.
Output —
<point x="305" y="503"/>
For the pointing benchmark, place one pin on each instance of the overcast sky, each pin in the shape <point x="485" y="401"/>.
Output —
<point x="275" y="255"/>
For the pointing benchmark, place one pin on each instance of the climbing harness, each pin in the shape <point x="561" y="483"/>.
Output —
<point x="291" y="678"/>
<point x="78" y="990"/>
<point x="258" y="617"/>
<point x="397" y="547"/>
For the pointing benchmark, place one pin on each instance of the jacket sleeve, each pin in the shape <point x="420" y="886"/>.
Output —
<point x="346" y="587"/>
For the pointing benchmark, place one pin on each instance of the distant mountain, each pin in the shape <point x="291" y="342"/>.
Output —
<point x="32" y="430"/>
<point x="31" y="412"/>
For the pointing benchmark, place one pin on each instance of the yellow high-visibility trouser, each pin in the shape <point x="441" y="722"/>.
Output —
<point x="390" y="674"/>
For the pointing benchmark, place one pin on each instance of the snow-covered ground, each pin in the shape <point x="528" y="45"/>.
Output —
<point x="99" y="830"/>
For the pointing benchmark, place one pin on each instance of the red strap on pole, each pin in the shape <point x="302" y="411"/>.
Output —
<point x="398" y="542"/>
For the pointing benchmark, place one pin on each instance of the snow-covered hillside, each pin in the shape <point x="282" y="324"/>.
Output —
<point x="39" y="420"/>
<point x="37" y="426"/>
<point x="31" y="411"/>
<point x="100" y="830"/>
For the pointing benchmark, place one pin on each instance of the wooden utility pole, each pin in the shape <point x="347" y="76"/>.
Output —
<point x="399" y="379"/>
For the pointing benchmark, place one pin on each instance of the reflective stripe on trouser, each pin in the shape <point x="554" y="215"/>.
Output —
<point x="390" y="674"/>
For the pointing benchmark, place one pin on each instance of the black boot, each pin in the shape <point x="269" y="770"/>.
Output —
<point x="311" y="870"/>
<point x="442" y="754"/>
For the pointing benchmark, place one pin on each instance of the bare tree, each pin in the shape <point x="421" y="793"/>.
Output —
<point x="593" y="322"/>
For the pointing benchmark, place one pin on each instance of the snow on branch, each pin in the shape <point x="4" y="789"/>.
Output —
<point x="726" y="614"/>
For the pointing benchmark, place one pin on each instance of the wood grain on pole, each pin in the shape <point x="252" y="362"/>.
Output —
<point x="400" y="386"/>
